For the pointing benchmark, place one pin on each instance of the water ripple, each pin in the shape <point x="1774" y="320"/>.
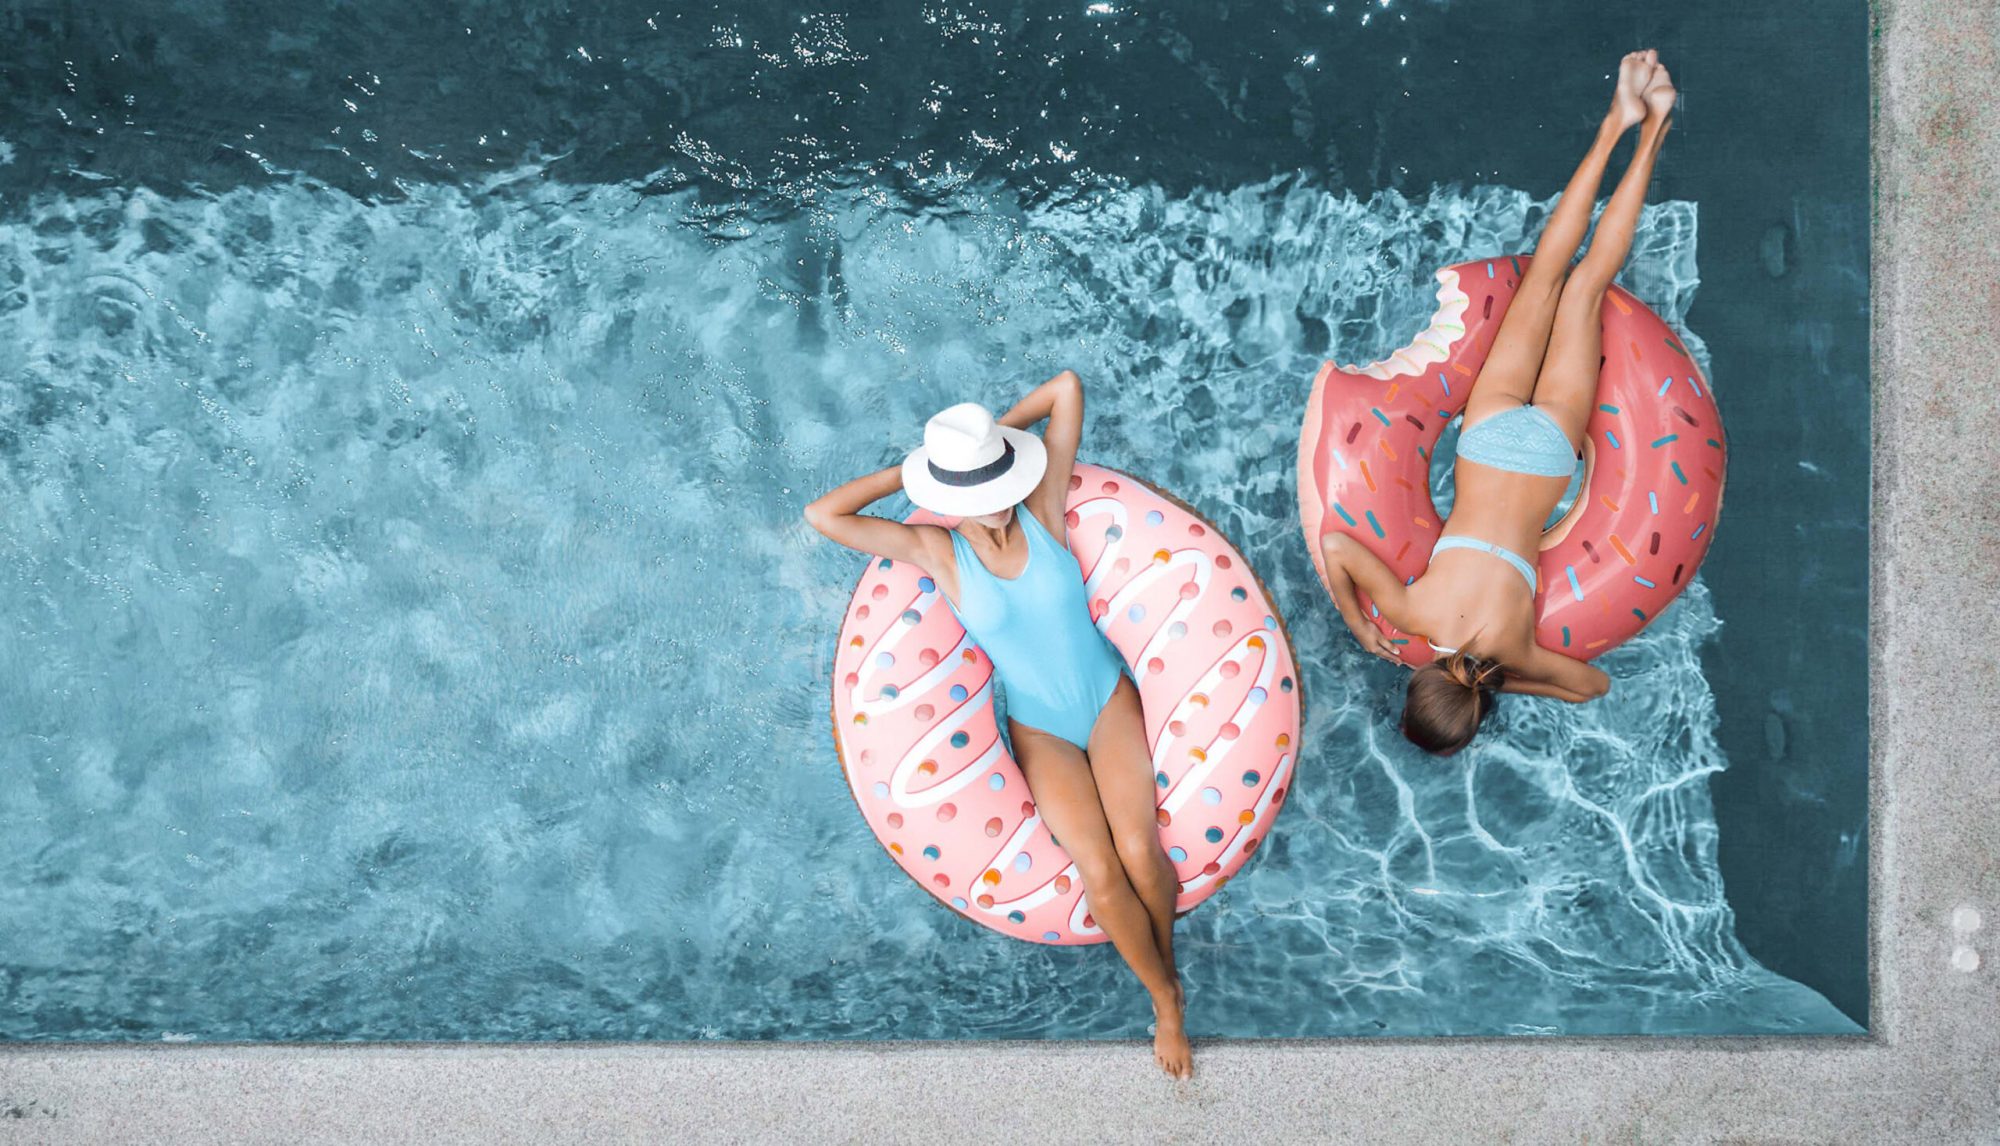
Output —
<point x="412" y="633"/>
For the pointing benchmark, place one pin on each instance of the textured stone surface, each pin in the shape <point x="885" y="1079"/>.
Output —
<point x="1926" y="1075"/>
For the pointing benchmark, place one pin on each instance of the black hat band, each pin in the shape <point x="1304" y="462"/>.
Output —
<point x="980" y="476"/>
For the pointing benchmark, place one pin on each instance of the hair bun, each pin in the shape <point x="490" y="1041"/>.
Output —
<point x="1479" y="674"/>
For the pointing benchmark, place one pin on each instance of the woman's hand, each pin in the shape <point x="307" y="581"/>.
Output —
<point x="1377" y="642"/>
<point x="1350" y="570"/>
<point x="1546" y="673"/>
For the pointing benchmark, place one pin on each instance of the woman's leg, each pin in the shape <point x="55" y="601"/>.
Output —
<point x="1065" y="794"/>
<point x="1508" y="376"/>
<point x="1567" y="387"/>
<point x="1123" y="768"/>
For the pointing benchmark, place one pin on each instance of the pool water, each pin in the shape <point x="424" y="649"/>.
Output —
<point x="411" y="632"/>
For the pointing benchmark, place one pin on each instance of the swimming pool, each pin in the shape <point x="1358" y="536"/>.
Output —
<point x="413" y="634"/>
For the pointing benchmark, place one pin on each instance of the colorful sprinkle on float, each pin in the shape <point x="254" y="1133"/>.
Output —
<point x="920" y="744"/>
<point x="1655" y="461"/>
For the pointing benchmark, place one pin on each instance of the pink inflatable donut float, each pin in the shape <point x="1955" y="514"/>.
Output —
<point x="921" y="748"/>
<point x="1654" y="457"/>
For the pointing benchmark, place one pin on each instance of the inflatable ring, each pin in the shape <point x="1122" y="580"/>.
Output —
<point x="1654" y="458"/>
<point x="921" y="748"/>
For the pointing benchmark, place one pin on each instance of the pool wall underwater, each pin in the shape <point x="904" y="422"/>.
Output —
<point x="1923" y="1074"/>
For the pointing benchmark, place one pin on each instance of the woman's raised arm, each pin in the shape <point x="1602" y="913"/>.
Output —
<point x="1060" y="400"/>
<point x="837" y="514"/>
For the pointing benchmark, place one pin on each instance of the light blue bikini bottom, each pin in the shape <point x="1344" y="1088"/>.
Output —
<point x="1457" y="541"/>
<point x="1520" y="563"/>
<point x="1521" y="440"/>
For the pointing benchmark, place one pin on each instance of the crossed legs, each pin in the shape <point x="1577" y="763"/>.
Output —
<point x="1101" y="807"/>
<point x="1567" y="385"/>
<point x="1515" y="372"/>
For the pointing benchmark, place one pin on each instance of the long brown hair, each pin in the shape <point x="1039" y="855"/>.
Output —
<point x="1449" y="699"/>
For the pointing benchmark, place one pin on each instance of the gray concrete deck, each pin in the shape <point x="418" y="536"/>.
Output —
<point x="1929" y="1073"/>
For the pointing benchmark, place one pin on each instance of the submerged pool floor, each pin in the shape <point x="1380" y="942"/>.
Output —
<point x="412" y="633"/>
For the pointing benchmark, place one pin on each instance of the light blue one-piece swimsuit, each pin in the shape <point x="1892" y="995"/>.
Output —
<point x="1057" y="668"/>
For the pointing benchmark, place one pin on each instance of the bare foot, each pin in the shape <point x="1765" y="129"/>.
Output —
<point x="1170" y="1041"/>
<point x="1660" y="94"/>
<point x="1628" y="105"/>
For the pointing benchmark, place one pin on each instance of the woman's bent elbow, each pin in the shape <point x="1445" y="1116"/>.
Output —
<point x="816" y="515"/>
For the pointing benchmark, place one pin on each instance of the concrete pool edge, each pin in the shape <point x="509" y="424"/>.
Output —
<point x="1923" y="1074"/>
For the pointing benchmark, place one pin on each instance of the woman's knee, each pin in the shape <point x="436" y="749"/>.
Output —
<point x="1139" y="850"/>
<point x="1546" y="278"/>
<point x="1583" y="294"/>
<point x="1098" y="865"/>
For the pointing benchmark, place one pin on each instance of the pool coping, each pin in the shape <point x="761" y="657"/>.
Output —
<point x="1924" y="1073"/>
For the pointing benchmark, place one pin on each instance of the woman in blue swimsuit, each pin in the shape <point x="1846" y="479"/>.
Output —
<point x="1524" y="425"/>
<point x="1073" y="713"/>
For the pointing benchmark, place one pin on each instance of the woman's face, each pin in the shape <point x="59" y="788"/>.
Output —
<point x="994" y="520"/>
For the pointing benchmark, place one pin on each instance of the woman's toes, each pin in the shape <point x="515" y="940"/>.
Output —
<point x="1660" y="93"/>
<point x="1626" y="103"/>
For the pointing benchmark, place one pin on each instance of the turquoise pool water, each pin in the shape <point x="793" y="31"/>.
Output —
<point x="410" y="628"/>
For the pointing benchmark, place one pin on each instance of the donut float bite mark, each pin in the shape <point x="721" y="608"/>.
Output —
<point x="1654" y="451"/>
<point x="922" y="751"/>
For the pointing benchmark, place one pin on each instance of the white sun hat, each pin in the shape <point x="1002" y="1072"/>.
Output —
<point x="970" y="465"/>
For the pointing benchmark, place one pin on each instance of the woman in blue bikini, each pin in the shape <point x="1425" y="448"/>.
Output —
<point x="1073" y="714"/>
<point x="1524" y="424"/>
